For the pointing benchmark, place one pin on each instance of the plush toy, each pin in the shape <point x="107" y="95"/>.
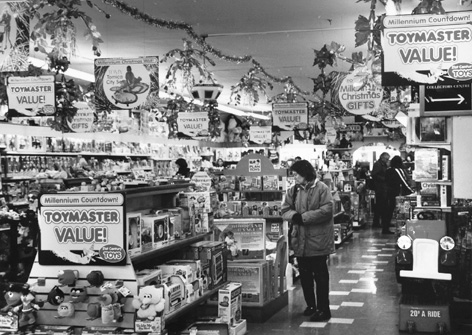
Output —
<point x="28" y="307"/>
<point x="94" y="310"/>
<point x="12" y="297"/>
<point x="67" y="277"/>
<point x="65" y="310"/>
<point x="78" y="294"/>
<point x="149" y="302"/>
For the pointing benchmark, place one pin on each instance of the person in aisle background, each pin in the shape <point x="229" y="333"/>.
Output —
<point x="397" y="184"/>
<point x="380" y="187"/>
<point x="59" y="172"/>
<point x="183" y="169"/>
<point x="308" y="205"/>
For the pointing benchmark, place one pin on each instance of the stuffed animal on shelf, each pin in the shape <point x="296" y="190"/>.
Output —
<point x="65" y="310"/>
<point x="28" y="307"/>
<point x="78" y="294"/>
<point x="12" y="297"/>
<point x="94" y="311"/>
<point x="149" y="302"/>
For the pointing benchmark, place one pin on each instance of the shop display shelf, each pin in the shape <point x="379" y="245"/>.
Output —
<point x="168" y="248"/>
<point x="143" y="192"/>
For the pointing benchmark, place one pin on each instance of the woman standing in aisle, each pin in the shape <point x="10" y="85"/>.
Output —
<point x="308" y="205"/>
<point x="380" y="185"/>
<point x="397" y="184"/>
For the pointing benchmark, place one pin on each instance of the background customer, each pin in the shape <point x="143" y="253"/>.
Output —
<point x="380" y="187"/>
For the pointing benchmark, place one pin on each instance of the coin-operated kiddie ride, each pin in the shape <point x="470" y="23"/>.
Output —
<point x="425" y="262"/>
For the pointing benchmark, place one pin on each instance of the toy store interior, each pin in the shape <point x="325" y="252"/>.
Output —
<point x="156" y="164"/>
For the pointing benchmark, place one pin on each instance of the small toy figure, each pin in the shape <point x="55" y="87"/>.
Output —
<point x="12" y="297"/>
<point x="65" y="310"/>
<point x="78" y="294"/>
<point x="28" y="307"/>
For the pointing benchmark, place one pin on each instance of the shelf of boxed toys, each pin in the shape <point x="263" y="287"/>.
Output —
<point x="168" y="248"/>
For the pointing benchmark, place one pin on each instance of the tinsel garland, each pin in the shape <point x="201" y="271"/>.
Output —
<point x="173" y="25"/>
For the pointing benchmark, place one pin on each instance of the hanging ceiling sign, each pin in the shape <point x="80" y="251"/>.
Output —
<point x="359" y="99"/>
<point x="290" y="116"/>
<point x="82" y="229"/>
<point x="260" y="135"/>
<point x="31" y="95"/>
<point x="424" y="48"/>
<point x="126" y="83"/>
<point x="193" y="124"/>
<point x="447" y="98"/>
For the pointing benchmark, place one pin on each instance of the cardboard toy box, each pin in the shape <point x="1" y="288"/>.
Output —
<point x="250" y="183"/>
<point x="247" y="237"/>
<point x="133" y="226"/>
<point x="195" y="264"/>
<point x="185" y="270"/>
<point x="230" y="303"/>
<point x="255" y="280"/>
<point x="228" y="183"/>
<point x="270" y="183"/>
<point x="149" y="277"/>
<point x="213" y="261"/>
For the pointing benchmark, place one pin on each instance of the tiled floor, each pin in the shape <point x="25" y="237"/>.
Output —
<point x="364" y="294"/>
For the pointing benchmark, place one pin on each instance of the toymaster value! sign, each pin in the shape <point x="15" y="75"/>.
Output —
<point x="426" y="48"/>
<point x="82" y="229"/>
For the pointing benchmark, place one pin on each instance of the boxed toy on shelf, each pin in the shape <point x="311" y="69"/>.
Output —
<point x="230" y="303"/>
<point x="244" y="237"/>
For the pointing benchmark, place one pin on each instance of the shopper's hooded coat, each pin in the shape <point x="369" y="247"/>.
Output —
<point x="315" y="204"/>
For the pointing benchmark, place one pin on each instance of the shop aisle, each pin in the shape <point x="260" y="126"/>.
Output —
<point x="364" y="295"/>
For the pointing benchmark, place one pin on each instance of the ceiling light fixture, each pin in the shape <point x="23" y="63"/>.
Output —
<point x="70" y="72"/>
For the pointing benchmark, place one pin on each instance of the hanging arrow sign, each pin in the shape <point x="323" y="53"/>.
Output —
<point x="446" y="98"/>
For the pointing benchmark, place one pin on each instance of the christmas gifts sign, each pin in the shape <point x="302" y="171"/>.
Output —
<point x="424" y="48"/>
<point x="357" y="98"/>
<point x="31" y="95"/>
<point x="193" y="124"/>
<point x="83" y="120"/>
<point x="82" y="229"/>
<point x="125" y="83"/>
<point x="288" y="116"/>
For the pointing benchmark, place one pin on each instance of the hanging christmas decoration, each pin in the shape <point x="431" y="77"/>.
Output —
<point x="429" y="7"/>
<point x="249" y="88"/>
<point x="186" y="63"/>
<point x="55" y="30"/>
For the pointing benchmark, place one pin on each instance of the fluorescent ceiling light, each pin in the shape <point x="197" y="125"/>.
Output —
<point x="70" y="72"/>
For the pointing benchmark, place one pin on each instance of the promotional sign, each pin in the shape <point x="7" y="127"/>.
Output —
<point x="358" y="99"/>
<point x="83" y="120"/>
<point x="202" y="181"/>
<point x="31" y="95"/>
<point x="126" y="83"/>
<point x="82" y="229"/>
<point x="446" y="99"/>
<point x="260" y="135"/>
<point x="424" y="48"/>
<point x="288" y="116"/>
<point x="193" y="124"/>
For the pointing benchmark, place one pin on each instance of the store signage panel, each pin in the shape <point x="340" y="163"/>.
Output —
<point x="423" y="48"/>
<point x="31" y="95"/>
<point x="82" y="229"/>
<point x="193" y="124"/>
<point x="82" y="121"/>
<point x="126" y="82"/>
<point x="260" y="135"/>
<point x="445" y="99"/>
<point x="357" y="98"/>
<point x="290" y="116"/>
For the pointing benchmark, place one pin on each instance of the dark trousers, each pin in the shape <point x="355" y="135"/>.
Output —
<point x="380" y="207"/>
<point x="315" y="270"/>
<point x="388" y="212"/>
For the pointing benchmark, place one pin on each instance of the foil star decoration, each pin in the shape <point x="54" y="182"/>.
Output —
<point x="324" y="57"/>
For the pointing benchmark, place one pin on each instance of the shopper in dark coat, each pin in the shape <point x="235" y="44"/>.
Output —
<point x="308" y="205"/>
<point x="380" y="187"/>
<point x="183" y="171"/>
<point x="397" y="184"/>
